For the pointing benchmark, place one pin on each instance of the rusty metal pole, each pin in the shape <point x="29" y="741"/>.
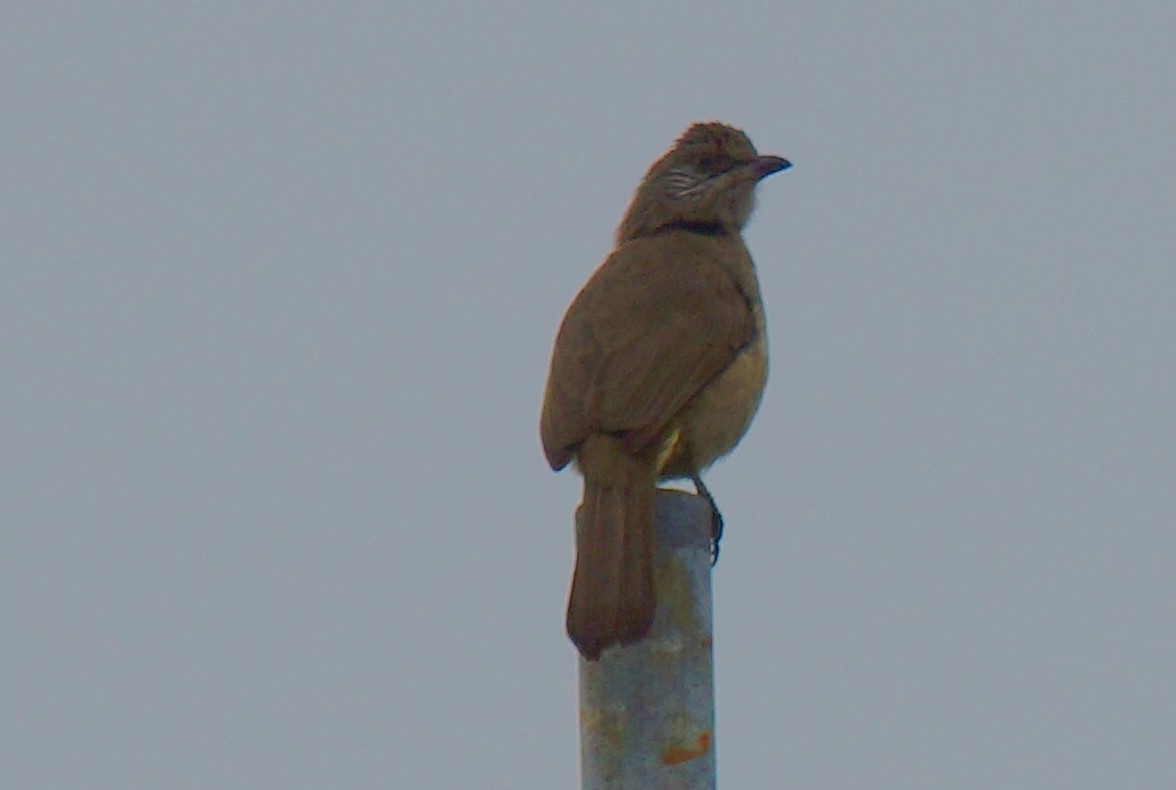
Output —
<point x="647" y="711"/>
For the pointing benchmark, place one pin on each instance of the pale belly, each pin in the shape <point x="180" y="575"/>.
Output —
<point x="720" y="415"/>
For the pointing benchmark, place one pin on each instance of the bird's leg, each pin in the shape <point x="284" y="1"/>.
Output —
<point x="716" y="516"/>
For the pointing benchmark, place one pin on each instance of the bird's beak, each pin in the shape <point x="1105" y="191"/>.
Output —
<point x="764" y="166"/>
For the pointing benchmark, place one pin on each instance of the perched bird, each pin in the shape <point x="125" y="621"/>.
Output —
<point x="657" y="370"/>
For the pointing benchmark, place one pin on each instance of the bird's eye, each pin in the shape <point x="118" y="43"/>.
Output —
<point x="719" y="163"/>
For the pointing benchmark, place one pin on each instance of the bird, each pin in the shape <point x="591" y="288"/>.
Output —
<point x="657" y="369"/>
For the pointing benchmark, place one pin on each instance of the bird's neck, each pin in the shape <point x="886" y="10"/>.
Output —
<point x="700" y="227"/>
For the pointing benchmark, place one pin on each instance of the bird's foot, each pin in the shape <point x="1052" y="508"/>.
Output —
<point x="716" y="516"/>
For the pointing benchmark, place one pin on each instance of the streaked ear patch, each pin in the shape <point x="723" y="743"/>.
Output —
<point x="682" y="182"/>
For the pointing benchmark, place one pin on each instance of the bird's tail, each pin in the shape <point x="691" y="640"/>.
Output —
<point x="612" y="599"/>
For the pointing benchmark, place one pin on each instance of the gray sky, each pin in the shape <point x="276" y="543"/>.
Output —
<point x="277" y="295"/>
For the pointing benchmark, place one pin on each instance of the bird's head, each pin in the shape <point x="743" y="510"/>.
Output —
<point x="705" y="183"/>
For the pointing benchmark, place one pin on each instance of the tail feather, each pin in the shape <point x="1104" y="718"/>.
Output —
<point x="612" y="599"/>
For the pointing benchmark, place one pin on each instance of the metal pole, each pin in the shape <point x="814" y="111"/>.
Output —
<point x="647" y="712"/>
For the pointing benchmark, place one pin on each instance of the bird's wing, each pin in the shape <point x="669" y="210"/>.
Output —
<point x="657" y="322"/>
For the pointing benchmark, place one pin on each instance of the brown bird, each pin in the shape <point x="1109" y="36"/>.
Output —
<point x="657" y="370"/>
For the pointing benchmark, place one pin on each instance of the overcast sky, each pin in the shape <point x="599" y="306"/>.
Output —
<point x="278" y="285"/>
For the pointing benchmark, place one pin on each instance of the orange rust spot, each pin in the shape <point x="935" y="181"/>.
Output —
<point x="707" y="641"/>
<point x="676" y="755"/>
